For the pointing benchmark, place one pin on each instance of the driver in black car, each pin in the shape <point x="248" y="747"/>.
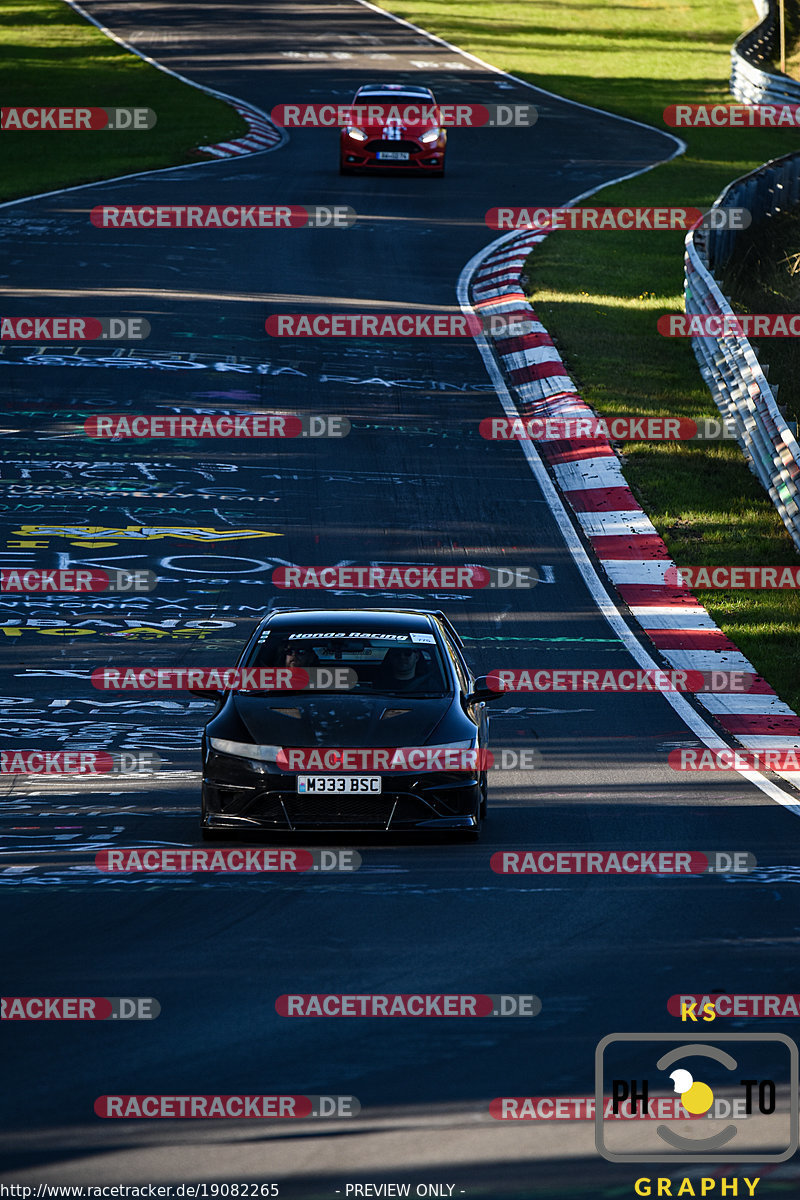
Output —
<point x="404" y="670"/>
<point x="295" y="656"/>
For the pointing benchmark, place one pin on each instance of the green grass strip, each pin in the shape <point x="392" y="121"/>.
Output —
<point x="51" y="56"/>
<point x="600" y="294"/>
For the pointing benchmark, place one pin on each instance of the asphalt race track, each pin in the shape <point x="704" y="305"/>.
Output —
<point x="413" y="482"/>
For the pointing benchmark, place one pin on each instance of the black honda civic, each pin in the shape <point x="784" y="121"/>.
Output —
<point x="385" y="730"/>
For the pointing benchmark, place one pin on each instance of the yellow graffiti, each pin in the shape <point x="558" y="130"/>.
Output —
<point x="110" y="535"/>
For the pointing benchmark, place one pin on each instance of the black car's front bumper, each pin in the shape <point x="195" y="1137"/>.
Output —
<point x="239" y="793"/>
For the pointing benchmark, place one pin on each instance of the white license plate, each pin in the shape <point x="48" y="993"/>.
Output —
<point x="339" y="784"/>
<point x="393" y="156"/>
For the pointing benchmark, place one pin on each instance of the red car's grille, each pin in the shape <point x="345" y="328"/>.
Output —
<point x="402" y="146"/>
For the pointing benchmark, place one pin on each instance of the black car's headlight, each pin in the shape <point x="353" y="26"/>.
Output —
<point x="245" y="750"/>
<point x="463" y="756"/>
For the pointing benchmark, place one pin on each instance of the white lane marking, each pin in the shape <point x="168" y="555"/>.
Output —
<point x="601" y="597"/>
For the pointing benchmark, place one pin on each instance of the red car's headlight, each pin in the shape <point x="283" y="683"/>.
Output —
<point x="356" y="134"/>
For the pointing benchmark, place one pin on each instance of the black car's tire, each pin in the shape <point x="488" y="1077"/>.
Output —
<point x="484" y="796"/>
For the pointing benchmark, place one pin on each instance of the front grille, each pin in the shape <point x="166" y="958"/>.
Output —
<point x="371" y="810"/>
<point x="362" y="811"/>
<point x="401" y="146"/>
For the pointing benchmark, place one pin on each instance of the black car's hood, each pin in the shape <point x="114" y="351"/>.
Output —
<point x="336" y="720"/>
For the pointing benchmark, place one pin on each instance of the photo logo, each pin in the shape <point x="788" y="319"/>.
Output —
<point x="696" y="1098"/>
<point x="723" y="1078"/>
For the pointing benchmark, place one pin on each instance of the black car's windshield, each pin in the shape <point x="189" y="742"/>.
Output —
<point x="392" y="664"/>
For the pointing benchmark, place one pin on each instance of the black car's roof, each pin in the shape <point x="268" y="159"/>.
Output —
<point x="358" y="619"/>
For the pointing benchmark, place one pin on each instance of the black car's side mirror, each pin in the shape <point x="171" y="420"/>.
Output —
<point x="481" y="692"/>
<point x="207" y="693"/>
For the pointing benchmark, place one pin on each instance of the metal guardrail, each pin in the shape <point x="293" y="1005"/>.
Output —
<point x="729" y="364"/>
<point x="757" y="49"/>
